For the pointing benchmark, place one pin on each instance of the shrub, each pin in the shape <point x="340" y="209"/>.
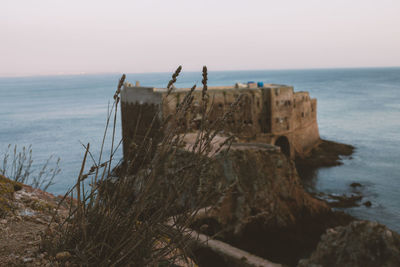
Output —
<point x="17" y="166"/>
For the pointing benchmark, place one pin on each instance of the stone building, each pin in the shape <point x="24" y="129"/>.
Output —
<point x="269" y="113"/>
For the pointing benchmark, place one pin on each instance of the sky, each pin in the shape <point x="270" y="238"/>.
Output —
<point x="43" y="37"/>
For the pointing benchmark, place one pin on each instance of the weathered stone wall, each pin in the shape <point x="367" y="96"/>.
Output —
<point x="141" y="118"/>
<point x="294" y="115"/>
<point x="246" y="122"/>
<point x="265" y="115"/>
<point x="281" y="110"/>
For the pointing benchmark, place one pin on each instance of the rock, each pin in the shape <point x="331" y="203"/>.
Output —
<point x="339" y="201"/>
<point x="359" y="244"/>
<point x="354" y="185"/>
<point x="3" y="221"/>
<point x="344" y="201"/>
<point x="26" y="260"/>
<point x="265" y="209"/>
<point x="367" y="203"/>
<point x="325" y="154"/>
<point x="63" y="255"/>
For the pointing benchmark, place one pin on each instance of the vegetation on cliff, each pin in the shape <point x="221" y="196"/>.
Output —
<point x="139" y="213"/>
<point x="17" y="165"/>
<point x="7" y="189"/>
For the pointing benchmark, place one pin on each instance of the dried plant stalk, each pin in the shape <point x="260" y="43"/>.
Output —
<point x="141" y="216"/>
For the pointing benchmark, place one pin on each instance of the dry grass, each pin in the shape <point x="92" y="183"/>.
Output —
<point x="17" y="166"/>
<point x="141" y="216"/>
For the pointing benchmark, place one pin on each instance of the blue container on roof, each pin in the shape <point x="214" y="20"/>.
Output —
<point x="260" y="84"/>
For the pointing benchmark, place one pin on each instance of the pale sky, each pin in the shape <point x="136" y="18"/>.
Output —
<point x="76" y="36"/>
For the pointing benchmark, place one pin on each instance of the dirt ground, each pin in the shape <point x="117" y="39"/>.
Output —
<point x="19" y="242"/>
<point x="25" y="215"/>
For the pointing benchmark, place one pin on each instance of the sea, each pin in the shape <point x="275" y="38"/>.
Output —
<point x="57" y="115"/>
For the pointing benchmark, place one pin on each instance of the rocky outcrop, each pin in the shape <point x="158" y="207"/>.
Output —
<point x="263" y="180"/>
<point x="325" y="154"/>
<point x="264" y="208"/>
<point x="340" y="201"/>
<point x="359" y="244"/>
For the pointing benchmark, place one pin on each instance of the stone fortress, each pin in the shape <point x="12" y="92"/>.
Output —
<point x="269" y="113"/>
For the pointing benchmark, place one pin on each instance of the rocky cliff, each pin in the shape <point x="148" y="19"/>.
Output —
<point x="261" y="207"/>
<point x="264" y="208"/>
<point x="359" y="244"/>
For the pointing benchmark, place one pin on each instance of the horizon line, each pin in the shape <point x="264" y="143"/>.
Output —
<point x="190" y="71"/>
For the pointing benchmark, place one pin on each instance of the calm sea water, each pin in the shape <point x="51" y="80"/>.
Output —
<point x="355" y="106"/>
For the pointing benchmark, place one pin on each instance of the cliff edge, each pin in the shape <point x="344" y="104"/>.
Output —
<point x="263" y="207"/>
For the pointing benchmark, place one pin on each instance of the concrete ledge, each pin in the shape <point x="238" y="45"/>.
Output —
<point x="232" y="255"/>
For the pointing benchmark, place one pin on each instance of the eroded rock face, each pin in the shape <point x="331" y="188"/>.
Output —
<point x="263" y="183"/>
<point x="265" y="209"/>
<point x="361" y="243"/>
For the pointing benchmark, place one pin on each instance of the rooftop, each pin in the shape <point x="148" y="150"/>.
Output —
<point x="237" y="86"/>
